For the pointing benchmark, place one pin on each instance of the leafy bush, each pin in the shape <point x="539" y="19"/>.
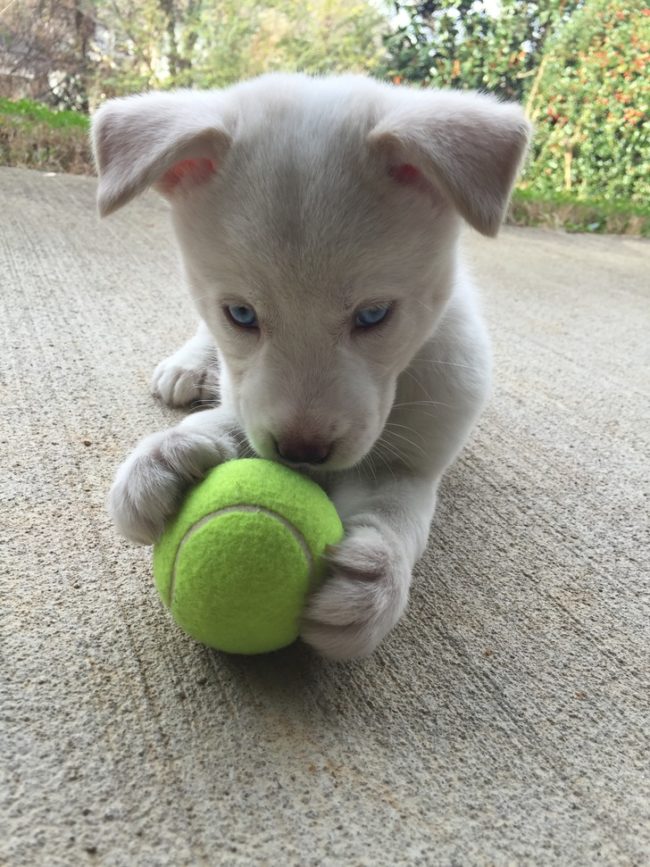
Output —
<point x="580" y="66"/>
<point x="241" y="38"/>
<point x="456" y="43"/>
<point x="567" y="212"/>
<point x="590" y="105"/>
<point x="136" y="45"/>
<point x="34" y="136"/>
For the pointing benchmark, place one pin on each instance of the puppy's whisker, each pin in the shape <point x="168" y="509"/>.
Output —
<point x="379" y="454"/>
<point x="245" y="450"/>
<point x="426" y="306"/>
<point x="387" y="463"/>
<point x="448" y="364"/>
<point x="406" y="427"/>
<point x="406" y="440"/>
<point x="391" y="450"/>
<point x="372" y="454"/>
<point x="421" y="403"/>
<point x="410" y="373"/>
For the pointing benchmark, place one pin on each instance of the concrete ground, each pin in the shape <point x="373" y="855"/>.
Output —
<point x="506" y="721"/>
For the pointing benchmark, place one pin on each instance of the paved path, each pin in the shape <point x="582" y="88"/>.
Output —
<point x="505" y="722"/>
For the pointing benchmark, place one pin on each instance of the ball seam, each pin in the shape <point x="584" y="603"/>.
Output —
<point x="242" y="507"/>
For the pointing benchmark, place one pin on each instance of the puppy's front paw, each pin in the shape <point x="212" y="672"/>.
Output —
<point x="361" y="601"/>
<point x="150" y="484"/>
<point x="181" y="380"/>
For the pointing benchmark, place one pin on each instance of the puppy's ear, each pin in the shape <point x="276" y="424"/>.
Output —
<point x="172" y="141"/>
<point x="468" y="145"/>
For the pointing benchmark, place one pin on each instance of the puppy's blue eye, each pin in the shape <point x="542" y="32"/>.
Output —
<point x="370" y="316"/>
<point x="242" y="315"/>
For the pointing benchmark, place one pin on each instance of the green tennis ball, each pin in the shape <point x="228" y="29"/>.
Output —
<point x="235" y="565"/>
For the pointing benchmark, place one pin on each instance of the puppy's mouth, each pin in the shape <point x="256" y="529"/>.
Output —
<point x="312" y="459"/>
<point x="312" y="463"/>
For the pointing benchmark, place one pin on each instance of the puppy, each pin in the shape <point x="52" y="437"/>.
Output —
<point x="318" y="220"/>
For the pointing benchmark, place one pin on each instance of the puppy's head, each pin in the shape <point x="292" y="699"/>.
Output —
<point x="318" y="221"/>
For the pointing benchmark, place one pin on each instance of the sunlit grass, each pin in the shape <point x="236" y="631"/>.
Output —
<point x="34" y="111"/>
<point x="574" y="214"/>
<point x="34" y="136"/>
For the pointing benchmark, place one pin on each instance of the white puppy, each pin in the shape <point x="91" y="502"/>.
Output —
<point x="318" y="221"/>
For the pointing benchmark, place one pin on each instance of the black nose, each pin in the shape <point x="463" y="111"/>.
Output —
<point x="299" y="451"/>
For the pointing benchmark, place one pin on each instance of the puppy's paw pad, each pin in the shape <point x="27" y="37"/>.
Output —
<point x="177" y="384"/>
<point x="361" y="601"/>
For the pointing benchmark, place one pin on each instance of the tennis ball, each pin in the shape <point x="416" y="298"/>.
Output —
<point x="236" y="563"/>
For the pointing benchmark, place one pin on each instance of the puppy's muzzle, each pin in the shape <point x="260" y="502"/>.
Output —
<point x="296" y="450"/>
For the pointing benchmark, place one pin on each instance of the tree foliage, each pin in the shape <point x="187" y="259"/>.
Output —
<point x="76" y="52"/>
<point x="591" y="105"/>
<point x="457" y="43"/>
<point x="47" y="45"/>
<point x="319" y="36"/>
<point x="580" y="66"/>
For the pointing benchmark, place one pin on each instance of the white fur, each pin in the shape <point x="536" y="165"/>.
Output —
<point x="305" y="221"/>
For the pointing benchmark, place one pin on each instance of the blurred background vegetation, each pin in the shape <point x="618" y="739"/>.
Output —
<point x="581" y="68"/>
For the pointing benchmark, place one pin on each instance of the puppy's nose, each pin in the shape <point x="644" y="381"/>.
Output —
<point x="303" y="451"/>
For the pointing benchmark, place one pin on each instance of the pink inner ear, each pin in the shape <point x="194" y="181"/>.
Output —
<point x="194" y="171"/>
<point x="405" y="174"/>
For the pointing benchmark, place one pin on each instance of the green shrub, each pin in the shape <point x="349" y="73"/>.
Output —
<point x="590" y="105"/>
<point x="34" y="136"/>
<point x="457" y="43"/>
<point x="567" y="212"/>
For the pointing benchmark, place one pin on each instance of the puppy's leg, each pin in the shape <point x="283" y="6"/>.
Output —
<point x="387" y="513"/>
<point x="387" y="525"/>
<point x="150" y="484"/>
<point x="191" y="374"/>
